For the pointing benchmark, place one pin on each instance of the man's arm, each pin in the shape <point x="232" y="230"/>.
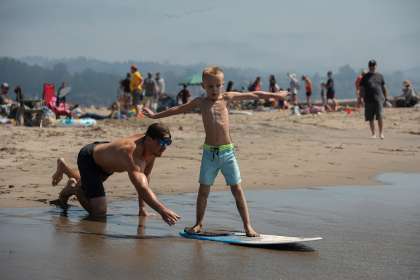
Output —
<point x="384" y="89"/>
<point x="139" y="181"/>
<point x="147" y="172"/>
<point x="238" y="96"/>
<point x="385" y="92"/>
<point x="184" y="108"/>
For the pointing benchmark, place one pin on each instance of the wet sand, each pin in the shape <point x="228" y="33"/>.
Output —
<point x="369" y="233"/>
<point x="274" y="150"/>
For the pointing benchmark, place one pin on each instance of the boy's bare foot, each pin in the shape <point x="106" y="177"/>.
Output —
<point x="58" y="175"/>
<point x="250" y="232"/>
<point x="194" y="229"/>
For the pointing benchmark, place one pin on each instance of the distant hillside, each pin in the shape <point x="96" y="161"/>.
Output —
<point x="96" y="82"/>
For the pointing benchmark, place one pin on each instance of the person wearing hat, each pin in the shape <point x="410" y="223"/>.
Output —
<point x="136" y="88"/>
<point x="134" y="155"/>
<point x="5" y="101"/>
<point x="4" y="98"/>
<point x="373" y="94"/>
<point x="408" y="98"/>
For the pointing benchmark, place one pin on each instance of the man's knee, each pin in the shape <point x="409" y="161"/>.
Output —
<point x="98" y="212"/>
<point x="97" y="206"/>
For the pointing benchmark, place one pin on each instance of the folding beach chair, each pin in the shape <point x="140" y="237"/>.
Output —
<point x="50" y="99"/>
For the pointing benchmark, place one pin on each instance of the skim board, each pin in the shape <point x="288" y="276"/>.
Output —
<point x="241" y="238"/>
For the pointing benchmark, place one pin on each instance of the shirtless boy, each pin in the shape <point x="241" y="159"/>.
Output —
<point x="97" y="161"/>
<point x="218" y="149"/>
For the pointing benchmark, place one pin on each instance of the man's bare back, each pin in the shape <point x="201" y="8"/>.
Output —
<point x="119" y="155"/>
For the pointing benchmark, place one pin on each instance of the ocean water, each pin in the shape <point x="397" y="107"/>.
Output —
<point x="370" y="232"/>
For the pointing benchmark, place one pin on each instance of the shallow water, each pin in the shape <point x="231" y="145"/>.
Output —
<point x="369" y="233"/>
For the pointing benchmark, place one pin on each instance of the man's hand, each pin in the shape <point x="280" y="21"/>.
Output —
<point x="169" y="216"/>
<point x="148" y="113"/>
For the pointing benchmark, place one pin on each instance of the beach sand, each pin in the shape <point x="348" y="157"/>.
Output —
<point x="275" y="150"/>
<point x="370" y="232"/>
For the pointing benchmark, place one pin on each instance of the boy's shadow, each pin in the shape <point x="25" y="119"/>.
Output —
<point x="295" y="247"/>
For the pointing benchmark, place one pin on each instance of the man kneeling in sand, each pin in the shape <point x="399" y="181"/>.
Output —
<point x="97" y="161"/>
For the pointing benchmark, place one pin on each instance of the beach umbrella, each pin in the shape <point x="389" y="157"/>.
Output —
<point x="194" y="80"/>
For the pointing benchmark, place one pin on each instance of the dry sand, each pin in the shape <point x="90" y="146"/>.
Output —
<point x="274" y="150"/>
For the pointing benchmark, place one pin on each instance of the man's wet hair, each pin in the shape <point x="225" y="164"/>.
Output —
<point x="158" y="131"/>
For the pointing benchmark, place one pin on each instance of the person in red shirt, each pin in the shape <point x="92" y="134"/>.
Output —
<point x="308" y="89"/>
<point x="357" y="86"/>
<point x="256" y="85"/>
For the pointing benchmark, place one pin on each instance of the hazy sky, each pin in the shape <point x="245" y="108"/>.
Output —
<point x="271" y="34"/>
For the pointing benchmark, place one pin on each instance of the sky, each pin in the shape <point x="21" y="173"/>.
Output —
<point x="268" y="34"/>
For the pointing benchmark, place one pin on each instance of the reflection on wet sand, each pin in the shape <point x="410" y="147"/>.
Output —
<point x="369" y="233"/>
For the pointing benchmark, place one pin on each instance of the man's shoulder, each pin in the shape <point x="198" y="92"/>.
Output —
<point x="380" y="76"/>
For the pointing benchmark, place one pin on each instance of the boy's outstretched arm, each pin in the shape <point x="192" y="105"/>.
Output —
<point x="184" y="108"/>
<point x="238" y="96"/>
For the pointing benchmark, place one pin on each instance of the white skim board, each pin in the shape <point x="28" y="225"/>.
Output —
<point x="241" y="238"/>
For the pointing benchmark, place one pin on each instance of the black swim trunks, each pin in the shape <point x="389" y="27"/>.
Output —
<point x="92" y="176"/>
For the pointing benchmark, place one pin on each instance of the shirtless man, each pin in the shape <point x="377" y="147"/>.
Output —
<point x="218" y="149"/>
<point x="97" y="161"/>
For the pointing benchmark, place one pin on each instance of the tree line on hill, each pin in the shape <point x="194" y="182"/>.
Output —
<point x="95" y="82"/>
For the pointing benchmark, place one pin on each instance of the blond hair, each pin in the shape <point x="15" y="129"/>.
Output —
<point x="407" y="82"/>
<point x="212" y="71"/>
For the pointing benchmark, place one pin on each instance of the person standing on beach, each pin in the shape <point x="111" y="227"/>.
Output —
<point x="160" y="90"/>
<point x="218" y="149"/>
<point x="124" y="95"/>
<point x="322" y="93"/>
<point x="274" y="87"/>
<point x="329" y="86"/>
<point x="308" y="89"/>
<point x="357" y="87"/>
<point x="256" y="85"/>
<point x="373" y="93"/>
<point x="150" y="88"/>
<point x="97" y="161"/>
<point x="229" y="86"/>
<point x="294" y="88"/>
<point x="136" y="87"/>
<point x="184" y="95"/>
<point x="272" y="84"/>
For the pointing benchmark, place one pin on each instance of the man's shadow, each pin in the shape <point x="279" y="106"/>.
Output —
<point x="94" y="225"/>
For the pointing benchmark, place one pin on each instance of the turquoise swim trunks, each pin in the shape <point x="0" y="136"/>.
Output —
<point x="221" y="158"/>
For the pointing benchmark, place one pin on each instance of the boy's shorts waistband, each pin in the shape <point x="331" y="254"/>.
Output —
<point x="220" y="148"/>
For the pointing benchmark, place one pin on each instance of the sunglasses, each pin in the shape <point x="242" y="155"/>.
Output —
<point x="165" y="142"/>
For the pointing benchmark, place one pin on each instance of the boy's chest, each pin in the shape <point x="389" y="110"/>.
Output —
<point x="215" y="110"/>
